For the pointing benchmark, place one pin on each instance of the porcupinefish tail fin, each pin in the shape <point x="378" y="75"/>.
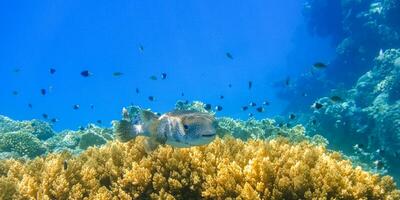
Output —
<point x="124" y="129"/>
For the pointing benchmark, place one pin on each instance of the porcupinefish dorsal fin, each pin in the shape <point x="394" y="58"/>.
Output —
<point x="147" y="115"/>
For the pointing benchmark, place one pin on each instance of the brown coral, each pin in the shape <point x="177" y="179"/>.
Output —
<point x="227" y="168"/>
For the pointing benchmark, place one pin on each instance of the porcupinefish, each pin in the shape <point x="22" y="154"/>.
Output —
<point x="177" y="128"/>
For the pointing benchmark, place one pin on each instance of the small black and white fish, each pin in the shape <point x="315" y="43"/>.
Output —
<point x="229" y="85"/>
<point x="292" y="116"/>
<point x="43" y="91"/>
<point x="117" y="74"/>
<point x="30" y="105"/>
<point x="163" y="76"/>
<point x="99" y="121"/>
<point x="182" y="94"/>
<point x="54" y="120"/>
<point x="154" y="78"/>
<point x="52" y="71"/>
<point x="260" y="109"/>
<point x="229" y="55"/>
<point x="319" y="65"/>
<point x="44" y="115"/>
<point x="221" y="97"/>
<point x="250" y="115"/>
<point x="218" y="108"/>
<point x="380" y="152"/>
<point x="317" y="105"/>
<point x="151" y="98"/>
<point x="252" y="104"/>
<point x="15" y="93"/>
<point x="137" y="90"/>
<point x="244" y="108"/>
<point x="91" y="106"/>
<point x="250" y="84"/>
<point x="358" y="146"/>
<point x="76" y="106"/>
<point x="207" y="106"/>
<point x="266" y="103"/>
<point x="86" y="73"/>
<point x="379" y="164"/>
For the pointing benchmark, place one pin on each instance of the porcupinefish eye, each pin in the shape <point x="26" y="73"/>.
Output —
<point x="185" y="126"/>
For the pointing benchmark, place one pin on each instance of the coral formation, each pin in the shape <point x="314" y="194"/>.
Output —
<point x="369" y="116"/>
<point x="34" y="138"/>
<point x="23" y="138"/>
<point x="192" y="106"/>
<point x="226" y="168"/>
<point x="40" y="129"/>
<point x="79" y="140"/>
<point x="264" y="129"/>
<point x="21" y="143"/>
<point x="92" y="135"/>
<point x="269" y="161"/>
<point x="359" y="31"/>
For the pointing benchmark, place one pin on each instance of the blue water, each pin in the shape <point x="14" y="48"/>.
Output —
<point x="188" y="40"/>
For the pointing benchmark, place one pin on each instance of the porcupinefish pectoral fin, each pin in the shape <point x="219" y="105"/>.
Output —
<point x="150" y="144"/>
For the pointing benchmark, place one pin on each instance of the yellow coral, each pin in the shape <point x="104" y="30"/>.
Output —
<point x="226" y="168"/>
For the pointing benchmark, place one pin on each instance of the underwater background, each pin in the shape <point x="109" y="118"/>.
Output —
<point x="313" y="81"/>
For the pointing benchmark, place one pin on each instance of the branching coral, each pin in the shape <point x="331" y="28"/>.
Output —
<point x="226" y="168"/>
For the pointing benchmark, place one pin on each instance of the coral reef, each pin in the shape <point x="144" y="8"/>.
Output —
<point x="34" y="138"/>
<point x="79" y="140"/>
<point x="22" y="144"/>
<point x="359" y="31"/>
<point x="368" y="116"/>
<point x="193" y="106"/>
<point x="264" y="129"/>
<point x="226" y="168"/>
<point x="23" y="138"/>
<point x="40" y="129"/>
<point x="92" y="135"/>
<point x="264" y="161"/>
<point x="250" y="129"/>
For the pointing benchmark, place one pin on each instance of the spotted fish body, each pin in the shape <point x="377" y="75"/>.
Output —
<point x="178" y="128"/>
